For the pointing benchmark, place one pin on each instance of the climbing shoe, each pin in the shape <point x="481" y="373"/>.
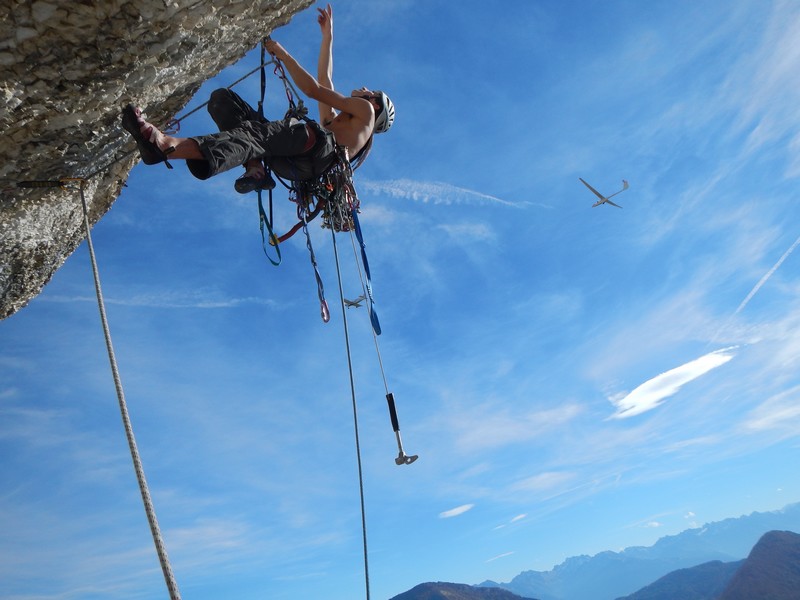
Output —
<point x="253" y="182"/>
<point x="133" y="122"/>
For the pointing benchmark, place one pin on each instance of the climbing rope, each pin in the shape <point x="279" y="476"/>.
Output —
<point x="355" y="415"/>
<point x="166" y="568"/>
<point x="177" y="121"/>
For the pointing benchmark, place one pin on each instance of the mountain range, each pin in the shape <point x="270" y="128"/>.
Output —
<point x="610" y="575"/>
<point x="770" y="572"/>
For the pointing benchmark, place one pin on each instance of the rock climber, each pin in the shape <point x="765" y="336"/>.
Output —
<point x="294" y="149"/>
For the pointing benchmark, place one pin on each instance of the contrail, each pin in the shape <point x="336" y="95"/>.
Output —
<point x="434" y="192"/>
<point x="764" y="279"/>
<point x="755" y="289"/>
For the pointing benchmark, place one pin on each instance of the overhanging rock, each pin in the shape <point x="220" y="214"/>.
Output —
<point x="66" y="70"/>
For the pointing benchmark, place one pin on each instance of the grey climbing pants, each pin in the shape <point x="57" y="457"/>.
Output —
<point x="286" y="146"/>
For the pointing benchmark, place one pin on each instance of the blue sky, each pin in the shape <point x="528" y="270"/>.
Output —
<point x="574" y="379"/>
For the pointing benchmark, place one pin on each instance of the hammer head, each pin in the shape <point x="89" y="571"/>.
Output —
<point x="404" y="459"/>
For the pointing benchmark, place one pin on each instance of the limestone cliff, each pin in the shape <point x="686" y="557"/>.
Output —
<point x="66" y="70"/>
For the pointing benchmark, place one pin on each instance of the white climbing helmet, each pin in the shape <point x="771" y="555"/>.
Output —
<point x="385" y="116"/>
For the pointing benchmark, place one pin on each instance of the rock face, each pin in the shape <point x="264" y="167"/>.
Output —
<point x="66" y="70"/>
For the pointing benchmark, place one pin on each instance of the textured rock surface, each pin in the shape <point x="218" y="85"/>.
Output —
<point x="66" y="70"/>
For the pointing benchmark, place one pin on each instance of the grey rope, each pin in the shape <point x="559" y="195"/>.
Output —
<point x="172" y="585"/>
<point x="242" y="78"/>
<point x="355" y="414"/>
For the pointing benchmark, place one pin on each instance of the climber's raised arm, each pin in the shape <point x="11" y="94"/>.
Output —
<point x="325" y="61"/>
<point x="354" y="105"/>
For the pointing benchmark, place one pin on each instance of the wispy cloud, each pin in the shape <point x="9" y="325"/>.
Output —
<point x="470" y="231"/>
<point x="433" y="191"/>
<point x="454" y="512"/>
<point x="503" y="555"/>
<point x="490" y="426"/>
<point x="778" y="412"/>
<point x="514" y="520"/>
<point x="170" y="300"/>
<point x="544" y="482"/>
<point x="653" y="392"/>
<point x="651" y="521"/>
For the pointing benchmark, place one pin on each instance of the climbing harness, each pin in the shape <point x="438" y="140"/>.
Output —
<point x="166" y="568"/>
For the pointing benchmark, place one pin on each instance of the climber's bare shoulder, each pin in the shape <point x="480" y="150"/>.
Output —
<point x="354" y="124"/>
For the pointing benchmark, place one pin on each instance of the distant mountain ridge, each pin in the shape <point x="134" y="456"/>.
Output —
<point x="611" y="575"/>
<point x="770" y="572"/>
<point x="703" y="582"/>
<point x="456" y="591"/>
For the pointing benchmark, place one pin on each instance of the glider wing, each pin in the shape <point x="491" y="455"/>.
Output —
<point x="596" y="193"/>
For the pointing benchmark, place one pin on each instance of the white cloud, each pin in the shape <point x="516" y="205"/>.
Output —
<point x="454" y="512"/>
<point x="651" y="393"/>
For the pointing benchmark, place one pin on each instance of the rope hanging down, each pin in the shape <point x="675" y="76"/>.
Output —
<point x="355" y="416"/>
<point x="166" y="568"/>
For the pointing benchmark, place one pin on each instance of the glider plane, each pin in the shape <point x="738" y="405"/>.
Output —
<point x="604" y="199"/>
<point x="354" y="303"/>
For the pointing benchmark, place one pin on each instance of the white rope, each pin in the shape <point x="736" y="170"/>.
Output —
<point x="172" y="585"/>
